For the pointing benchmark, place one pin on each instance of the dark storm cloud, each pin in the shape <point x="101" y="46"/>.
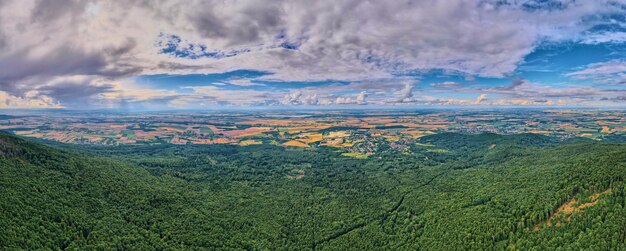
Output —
<point x="61" y="61"/>
<point x="173" y="66"/>
<point x="48" y="10"/>
<point x="18" y="70"/>
<point x="522" y="88"/>
<point x="378" y="85"/>
<point x="516" y="82"/>
<point x="617" y="99"/>
<point x="249" y="22"/>
<point x="74" y="93"/>
<point x="3" y="40"/>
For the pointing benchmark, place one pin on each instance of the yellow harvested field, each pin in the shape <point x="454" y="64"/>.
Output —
<point x="334" y="142"/>
<point x="347" y="144"/>
<point x="213" y="141"/>
<point x="311" y="128"/>
<point x="351" y="143"/>
<point x="311" y="137"/>
<point x="24" y="132"/>
<point x="606" y="129"/>
<point x="246" y="132"/>
<point x="215" y="129"/>
<point x="250" y="142"/>
<point x="379" y="120"/>
<point x="172" y="129"/>
<point x="392" y="138"/>
<point x="338" y="134"/>
<point x="223" y="141"/>
<point x="270" y="122"/>
<point x="93" y="138"/>
<point x="295" y="143"/>
<point x="417" y="134"/>
<point x="431" y="126"/>
<point x="543" y="132"/>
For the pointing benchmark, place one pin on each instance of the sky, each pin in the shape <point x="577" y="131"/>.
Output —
<point x="197" y="54"/>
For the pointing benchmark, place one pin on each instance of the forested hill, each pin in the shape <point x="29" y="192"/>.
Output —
<point x="458" y="191"/>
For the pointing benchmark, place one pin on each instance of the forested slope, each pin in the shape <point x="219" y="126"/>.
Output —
<point x="473" y="191"/>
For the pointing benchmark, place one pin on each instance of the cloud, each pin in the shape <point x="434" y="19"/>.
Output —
<point x="617" y="99"/>
<point x="300" y="98"/>
<point x="243" y="82"/>
<point x="235" y="97"/>
<point x="10" y="101"/>
<point x="405" y="95"/>
<point x="515" y="83"/>
<point x="446" y="85"/>
<point x="481" y="98"/>
<point x="429" y="101"/>
<point x="522" y="88"/>
<point x="76" y="94"/>
<point x="247" y="22"/>
<point x="523" y="92"/>
<point x="366" y="42"/>
<point x="605" y="37"/>
<point x="358" y="99"/>
<point x="610" y="72"/>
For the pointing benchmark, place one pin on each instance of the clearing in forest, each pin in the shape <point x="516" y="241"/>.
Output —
<point x="357" y="155"/>
<point x="296" y="175"/>
<point x="569" y="208"/>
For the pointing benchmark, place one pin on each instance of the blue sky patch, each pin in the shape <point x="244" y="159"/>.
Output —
<point x="174" y="46"/>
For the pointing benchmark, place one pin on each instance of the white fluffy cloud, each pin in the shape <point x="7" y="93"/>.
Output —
<point x="611" y="72"/>
<point x="310" y="97"/>
<point x="28" y="101"/>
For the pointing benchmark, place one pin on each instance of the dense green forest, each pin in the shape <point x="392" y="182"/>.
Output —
<point x="483" y="191"/>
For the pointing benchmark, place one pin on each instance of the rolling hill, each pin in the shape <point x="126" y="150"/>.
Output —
<point x="484" y="191"/>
